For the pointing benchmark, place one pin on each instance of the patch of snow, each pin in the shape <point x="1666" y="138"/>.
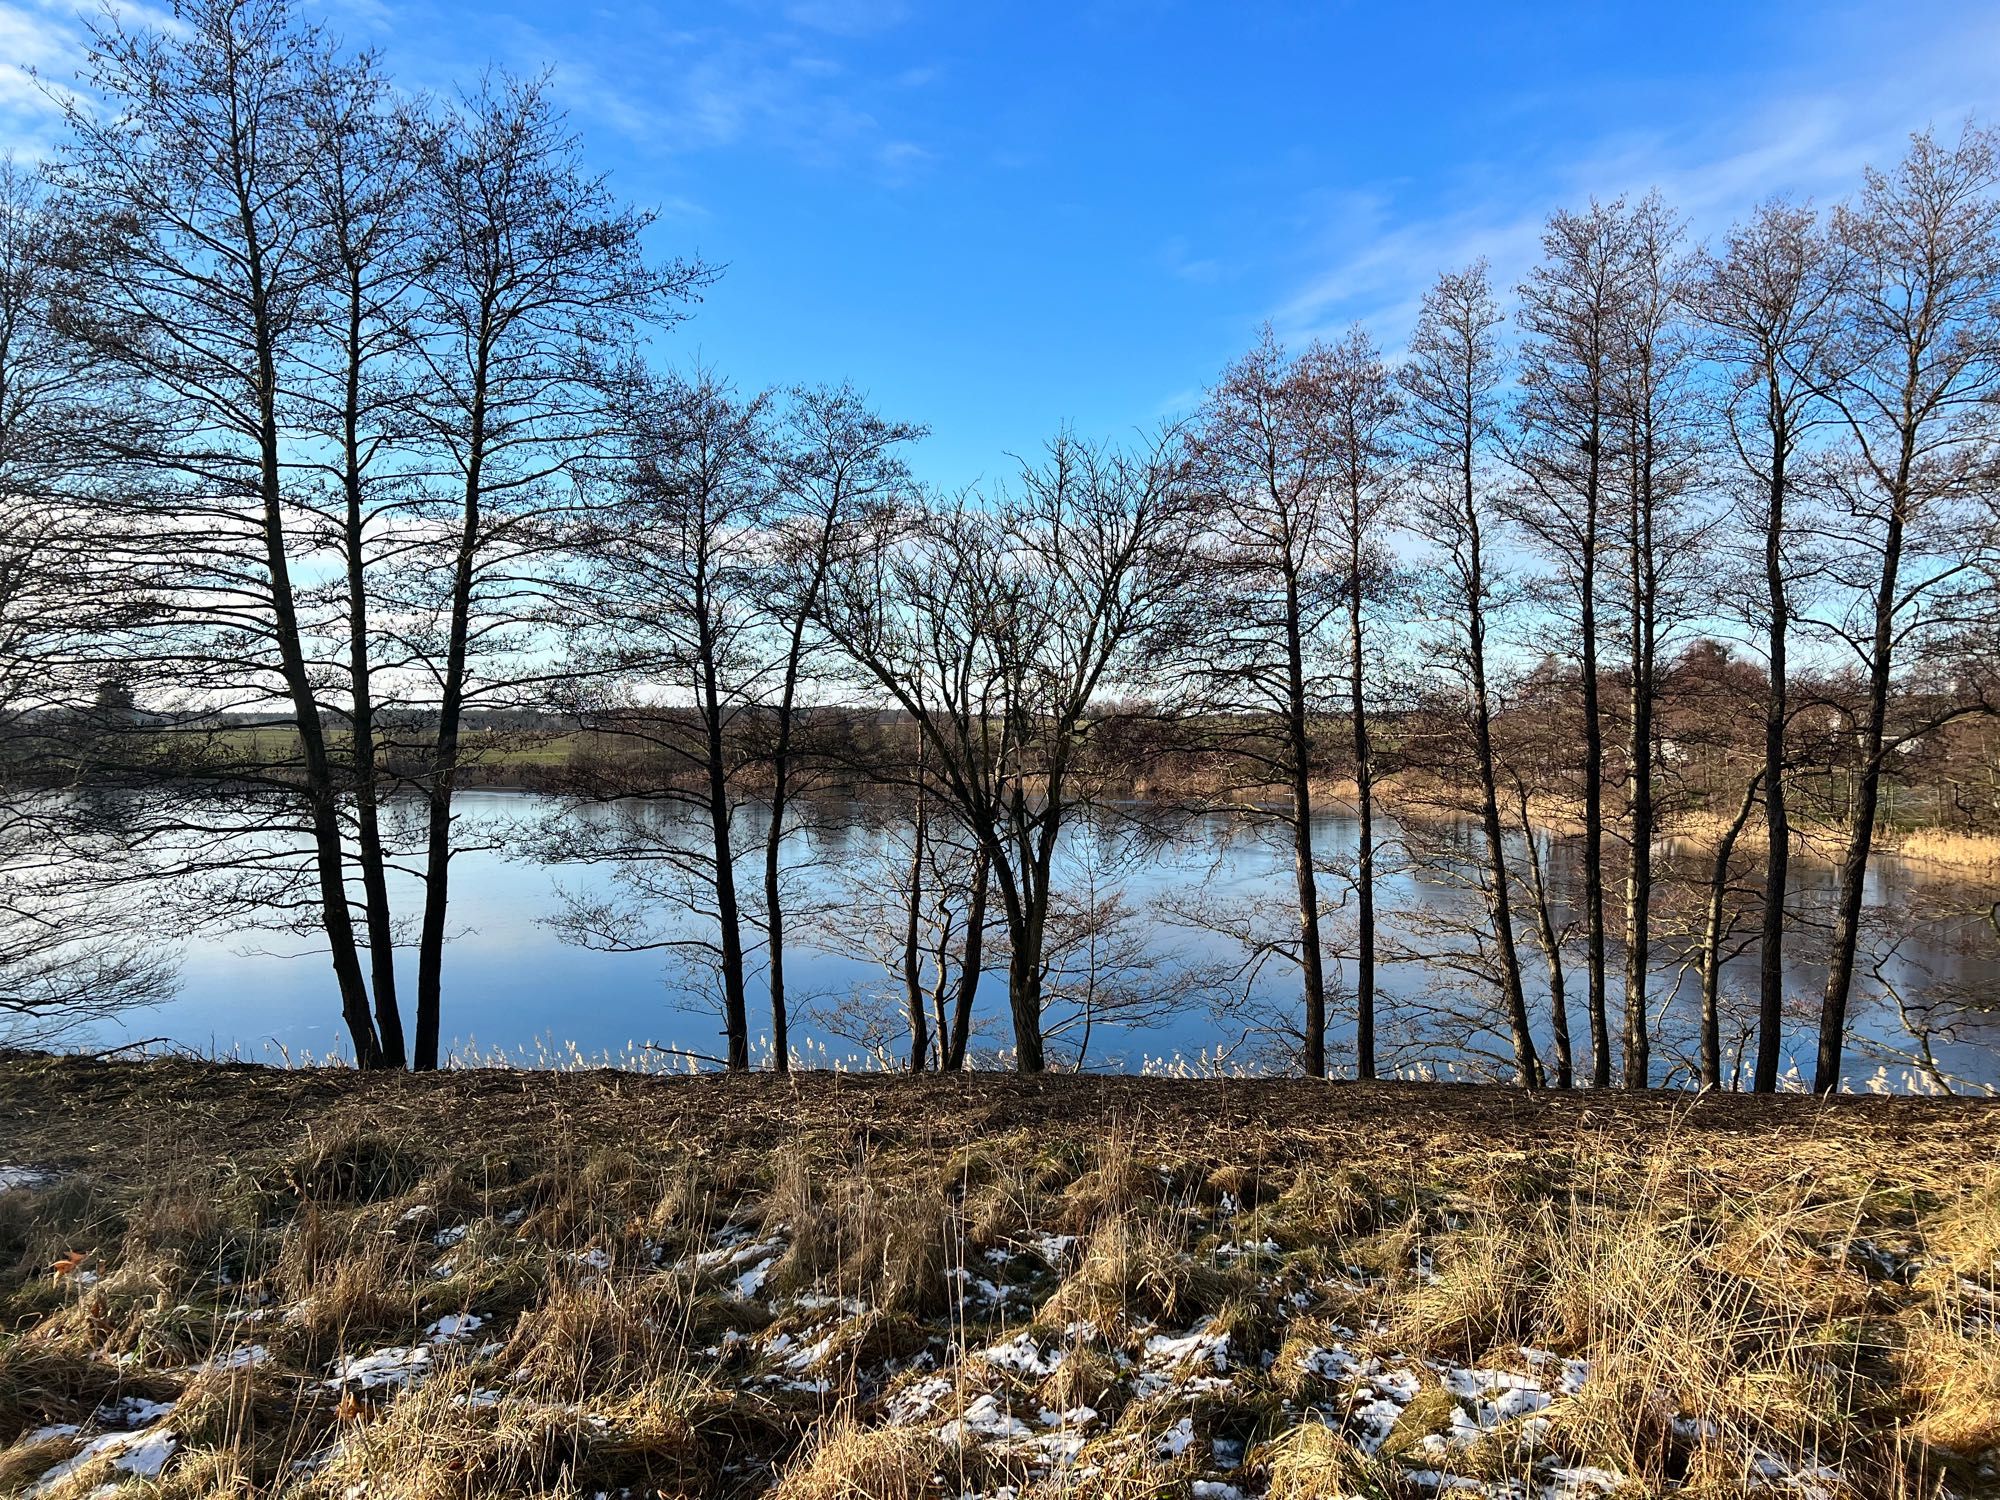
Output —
<point x="1196" y="1346"/>
<point x="1574" y="1483"/>
<point x="140" y="1454"/>
<point x="915" y="1402"/>
<point x="752" y="1262"/>
<point x="454" y="1326"/>
<point x="1330" y="1363"/>
<point x="1076" y="1416"/>
<point x="444" y="1239"/>
<point x="985" y="1418"/>
<point x="397" y="1366"/>
<point x="1177" y="1439"/>
<point x="128" y="1412"/>
<point x="1573" y="1372"/>
<point x="1021" y="1355"/>
<point x="1248" y="1247"/>
<point x="27" y="1177"/>
<point x="242" y="1357"/>
<point x="1372" y="1422"/>
<point x="977" y="1287"/>
<point x="1054" y="1249"/>
<point x="809" y="1355"/>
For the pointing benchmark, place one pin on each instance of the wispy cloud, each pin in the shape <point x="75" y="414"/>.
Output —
<point x="788" y="91"/>
<point x="39" y="49"/>
<point x="1372" y="252"/>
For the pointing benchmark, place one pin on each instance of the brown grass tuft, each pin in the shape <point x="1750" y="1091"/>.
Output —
<point x="847" y="1461"/>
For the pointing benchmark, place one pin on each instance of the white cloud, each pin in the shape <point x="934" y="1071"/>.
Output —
<point x="1372" y="259"/>
<point x="39" y="50"/>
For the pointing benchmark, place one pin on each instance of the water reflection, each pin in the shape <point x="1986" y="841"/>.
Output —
<point x="1194" y="900"/>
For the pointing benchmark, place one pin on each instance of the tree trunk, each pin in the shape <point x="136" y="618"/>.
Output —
<point x="1364" y="801"/>
<point x="913" y="978"/>
<point x="322" y="803"/>
<point x="444" y="755"/>
<point x="1778" y="857"/>
<point x="367" y="816"/>
<point x="968" y="974"/>
<point x="1299" y="754"/>
<point x="1639" y="770"/>
<point x="1551" y="944"/>
<point x="1593" y="785"/>
<point x="1024" y="1000"/>
<point x="1861" y="838"/>
<point x="735" y="1007"/>
<point x="1711" y="942"/>
<point x="1527" y="1068"/>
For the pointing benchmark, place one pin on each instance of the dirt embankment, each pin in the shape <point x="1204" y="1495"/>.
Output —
<point x="129" y="1120"/>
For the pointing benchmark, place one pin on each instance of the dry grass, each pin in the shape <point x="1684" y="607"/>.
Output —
<point x="847" y="1461"/>
<point x="1948" y="849"/>
<point x="1295" y="1292"/>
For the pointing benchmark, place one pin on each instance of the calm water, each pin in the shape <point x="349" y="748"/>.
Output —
<point x="514" y="986"/>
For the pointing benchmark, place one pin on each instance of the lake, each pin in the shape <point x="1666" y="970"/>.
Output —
<point x="1175" y="992"/>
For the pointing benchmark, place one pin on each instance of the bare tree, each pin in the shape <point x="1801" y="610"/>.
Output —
<point x="1268" y="453"/>
<point x="1770" y="303"/>
<point x="666" y="670"/>
<point x="1002" y="631"/>
<point x="1565" y="436"/>
<point x="537" y="275"/>
<point x="72" y="948"/>
<point x="363" y="174"/>
<point x="1361" y="406"/>
<point x="1650" y="373"/>
<point x="1451" y="385"/>
<point x="190" y="185"/>
<point x="838" y="463"/>
<point x="1919" y="370"/>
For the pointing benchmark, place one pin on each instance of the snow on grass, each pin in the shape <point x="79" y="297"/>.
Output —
<point x="392" y="1368"/>
<point x="1021" y="1355"/>
<point x="454" y="1326"/>
<point x="142" y="1455"/>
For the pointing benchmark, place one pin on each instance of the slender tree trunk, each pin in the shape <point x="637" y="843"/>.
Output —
<point x="444" y="755"/>
<point x="729" y="918"/>
<point x="774" y="897"/>
<point x="913" y="976"/>
<point x="323" y="804"/>
<point x="1024" y="998"/>
<point x="1711" y="941"/>
<point x="774" y="921"/>
<point x="968" y="974"/>
<point x="367" y="773"/>
<point x="1304" y="872"/>
<point x="1527" y="1068"/>
<point x="1639" y="872"/>
<point x="1593" y="783"/>
<point x="1364" y="800"/>
<point x="1778" y="857"/>
<point x="1551" y="945"/>
<point x="1861" y="836"/>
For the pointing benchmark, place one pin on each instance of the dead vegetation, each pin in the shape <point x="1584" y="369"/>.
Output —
<point x="481" y="1285"/>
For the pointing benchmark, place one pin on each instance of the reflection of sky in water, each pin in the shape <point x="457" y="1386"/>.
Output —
<point x="511" y="984"/>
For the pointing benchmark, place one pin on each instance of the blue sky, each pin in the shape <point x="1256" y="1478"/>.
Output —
<point x="998" y="218"/>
